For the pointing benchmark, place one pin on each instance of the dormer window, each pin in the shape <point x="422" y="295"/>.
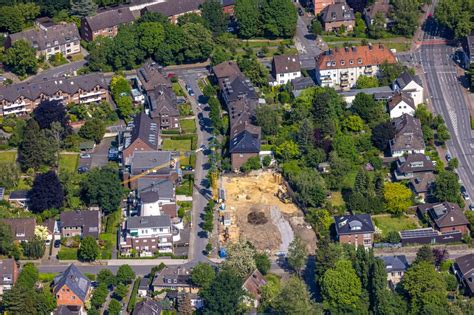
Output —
<point x="333" y="63"/>
<point x="359" y="61"/>
<point x="351" y="62"/>
<point x="343" y="62"/>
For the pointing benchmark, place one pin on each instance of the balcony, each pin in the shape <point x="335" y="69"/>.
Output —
<point x="14" y="111"/>
<point x="92" y="93"/>
<point x="13" y="105"/>
<point x="90" y="99"/>
<point x="345" y="75"/>
<point x="368" y="70"/>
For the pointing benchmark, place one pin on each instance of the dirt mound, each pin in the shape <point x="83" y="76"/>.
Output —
<point x="257" y="218"/>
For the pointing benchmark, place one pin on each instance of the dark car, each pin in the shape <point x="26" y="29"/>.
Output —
<point x="448" y="157"/>
<point x="300" y="12"/>
<point x="82" y="169"/>
<point x="57" y="243"/>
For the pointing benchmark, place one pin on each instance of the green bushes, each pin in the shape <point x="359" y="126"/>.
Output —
<point x="209" y="217"/>
<point x="133" y="296"/>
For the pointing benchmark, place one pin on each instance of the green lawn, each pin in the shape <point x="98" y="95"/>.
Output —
<point x="68" y="162"/>
<point x="186" y="187"/>
<point x="177" y="145"/>
<point x="336" y="199"/>
<point x="66" y="253"/>
<point x="188" y="125"/>
<point x="177" y="89"/>
<point x="388" y="223"/>
<point x="8" y="156"/>
<point x="107" y="242"/>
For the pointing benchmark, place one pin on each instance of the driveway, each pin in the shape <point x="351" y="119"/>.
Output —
<point x="99" y="157"/>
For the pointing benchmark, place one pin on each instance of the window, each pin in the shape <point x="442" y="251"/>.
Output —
<point x="161" y="229"/>
<point x="359" y="61"/>
<point x="343" y="62"/>
<point x="144" y="241"/>
<point x="351" y="62"/>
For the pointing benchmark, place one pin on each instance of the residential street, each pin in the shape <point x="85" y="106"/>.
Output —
<point x="59" y="71"/>
<point x="449" y="99"/>
<point x="306" y="43"/>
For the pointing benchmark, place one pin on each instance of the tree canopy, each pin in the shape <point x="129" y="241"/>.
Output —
<point x="458" y="15"/>
<point x="88" y="250"/>
<point x="102" y="187"/>
<point x="47" y="192"/>
<point x="202" y="275"/>
<point x="20" y="58"/>
<point x="223" y="294"/>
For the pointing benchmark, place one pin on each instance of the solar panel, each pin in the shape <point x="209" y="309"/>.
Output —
<point x="427" y="232"/>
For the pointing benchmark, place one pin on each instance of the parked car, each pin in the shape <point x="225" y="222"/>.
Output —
<point x="300" y="12"/>
<point x="85" y="156"/>
<point x="465" y="195"/>
<point x="471" y="207"/>
<point x="186" y="167"/>
<point x="82" y="169"/>
<point x="448" y="157"/>
<point x="190" y="92"/>
<point x="57" y="243"/>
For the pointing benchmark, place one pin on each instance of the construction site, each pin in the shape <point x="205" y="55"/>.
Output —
<point x="257" y="209"/>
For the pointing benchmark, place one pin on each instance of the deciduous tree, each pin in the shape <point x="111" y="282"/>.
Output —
<point x="20" y="58"/>
<point x="125" y="274"/>
<point x="102" y="187"/>
<point x="293" y="298"/>
<point x="214" y="16"/>
<point x="47" y="192"/>
<point x="83" y="8"/>
<point x="224" y="293"/>
<point x="202" y="275"/>
<point x="398" y="198"/>
<point x="89" y="250"/>
<point x="93" y="129"/>
<point x="115" y="307"/>
<point x="263" y="262"/>
<point x="240" y="259"/>
<point x="248" y="14"/>
<point x="297" y="255"/>
<point x="447" y="187"/>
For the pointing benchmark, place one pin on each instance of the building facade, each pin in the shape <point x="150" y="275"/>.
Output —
<point x="72" y="288"/>
<point x="285" y="69"/>
<point x="23" y="98"/>
<point x="58" y="38"/>
<point x="340" y="68"/>
<point x="105" y="23"/>
<point x="357" y="230"/>
<point x="8" y="274"/>
<point x="80" y="223"/>
<point x="337" y="16"/>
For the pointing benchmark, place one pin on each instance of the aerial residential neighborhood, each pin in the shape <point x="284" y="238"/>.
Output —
<point x="236" y="157"/>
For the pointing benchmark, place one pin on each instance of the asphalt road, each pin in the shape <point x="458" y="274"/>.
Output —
<point x="448" y="99"/>
<point x="198" y="239"/>
<point x="58" y="72"/>
<point x="306" y="43"/>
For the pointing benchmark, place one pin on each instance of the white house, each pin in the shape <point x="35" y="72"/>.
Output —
<point x="155" y="197"/>
<point x="408" y="138"/>
<point x="285" y="69"/>
<point x="147" y="235"/>
<point x="410" y="85"/>
<point x="340" y="68"/>
<point x="399" y="104"/>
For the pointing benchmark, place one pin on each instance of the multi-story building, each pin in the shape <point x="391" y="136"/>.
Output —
<point x="337" y="16"/>
<point x="174" y="278"/>
<point x="400" y="104"/>
<point x="357" y="229"/>
<point x="411" y="85"/>
<point x="72" y="290"/>
<point x="23" y="98"/>
<point x="395" y="267"/>
<point x="148" y="235"/>
<point x="381" y="8"/>
<point x="408" y="166"/>
<point x="464" y="270"/>
<point x="156" y="197"/>
<point x="241" y="101"/>
<point x="80" y="223"/>
<point x="285" y="69"/>
<point x="59" y="38"/>
<point x="105" y="23"/>
<point x="8" y="274"/>
<point x="408" y="138"/>
<point x="341" y="67"/>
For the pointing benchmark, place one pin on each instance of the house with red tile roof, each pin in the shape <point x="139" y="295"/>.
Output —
<point x="341" y="67"/>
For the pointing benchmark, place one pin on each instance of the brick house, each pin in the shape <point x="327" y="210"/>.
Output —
<point x="174" y="278"/>
<point x="145" y="136"/>
<point x="319" y="5"/>
<point x="444" y="217"/>
<point x="8" y="274"/>
<point x="23" y="98"/>
<point x="57" y="38"/>
<point x="105" y="23"/>
<point x="22" y="229"/>
<point x="71" y="288"/>
<point x="335" y="16"/>
<point x="174" y="9"/>
<point x="241" y="100"/>
<point x="357" y="229"/>
<point x="80" y="223"/>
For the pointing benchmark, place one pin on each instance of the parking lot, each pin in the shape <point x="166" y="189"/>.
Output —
<point x="98" y="157"/>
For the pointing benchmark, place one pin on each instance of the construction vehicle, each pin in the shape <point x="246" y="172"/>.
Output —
<point x="283" y="195"/>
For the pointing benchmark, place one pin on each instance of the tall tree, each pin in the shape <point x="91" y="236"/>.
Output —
<point x="184" y="305"/>
<point x="202" y="275"/>
<point x="125" y="274"/>
<point x="93" y="129"/>
<point x="425" y="287"/>
<point x="424" y="254"/>
<point x="240" y="259"/>
<point x="83" y="8"/>
<point x="115" y="307"/>
<point x="106" y="277"/>
<point x="398" y="197"/>
<point x="248" y="16"/>
<point x="368" y="109"/>
<point x="102" y="187"/>
<point x="405" y="15"/>
<point x="447" y="187"/>
<point x="269" y="118"/>
<point x="458" y="15"/>
<point x="310" y="186"/>
<point x="5" y="238"/>
<point x="47" y="193"/>
<point x="88" y="250"/>
<point x="214" y="16"/>
<point x="20" y="58"/>
<point x="297" y="254"/>
<point x="224" y="293"/>
<point x="293" y="298"/>
<point x="341" y="288"/>
<point x="278" y="18"/>
<point x="9" y="174"/>
<point x="198" y="43"/>
<point x="151" y="36"/>
<point x="49" y="112"/>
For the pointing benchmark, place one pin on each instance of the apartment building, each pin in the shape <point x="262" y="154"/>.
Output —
<point x="23" y="98"/>
<point x="341" y="67"/>
<point x="285" y="69"/>
<point x="408" y="138"/>
<point x="174" y="9"/>
<point x="148" y="235"/>
<point x="357" y="229"/>
<point x="105" y="23"/>
<point x="49" y="40"/>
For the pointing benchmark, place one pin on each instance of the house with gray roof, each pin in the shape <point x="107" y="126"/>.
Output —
<point x="147" y="307"/>
<point x="145" y="137"/>
<point x="22" y="98"/>
<point x="158" y="196"/>
<point x="410" y="84"/>
<point x="378" y="7"/>
<point x="22" y="229"/>
<point x="60" y="38"/>
<point x="105" y="23"/>
<point x="395" y="267"/>
<point x="444" y="216"/>
<point x="337" y="15"/>
<point x="147" y="235"/>
<point x="241" y="100"/>
<point x="8" y="274"/>
<point x="80" y="223"/>
<point x="408" y="166"/>
<point x="357" y="229"/>
<point x="464" y="270"/>
<point x="71" y="287"/>
<point x="399" y="104"/>
<point x="19" y="197"/>
<point x="408" y="138"/>
<point x="285" y="69"/>
<point x="176" y="278"/>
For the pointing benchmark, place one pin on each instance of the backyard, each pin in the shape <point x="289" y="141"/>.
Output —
<point x="8" y="156"/>
<point x="188" y="125"/>
<point x="387" y="223"/>
<point x="68" y="162"/>
<point x="181" y="145"/>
